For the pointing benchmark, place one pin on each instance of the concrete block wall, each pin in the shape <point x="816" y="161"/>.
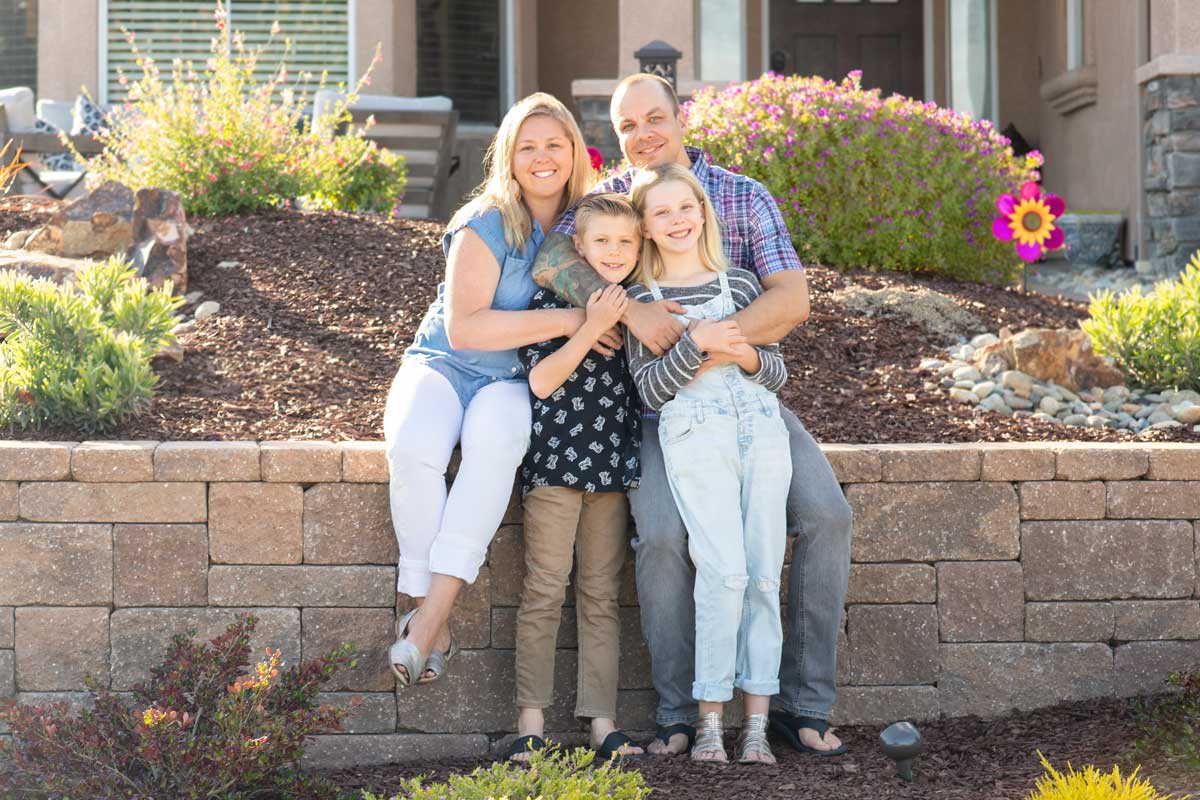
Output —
<point x="984" y="578"/>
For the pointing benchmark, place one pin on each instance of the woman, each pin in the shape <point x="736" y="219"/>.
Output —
<point x="461" y="383"/>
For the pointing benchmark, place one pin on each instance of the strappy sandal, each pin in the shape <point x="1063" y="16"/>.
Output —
<point x="610" y="748"/>
<point x="789" y="726"/>
<point x="752" y="746"/>
<point x="663" y="733"/>
<point x="526" y="744"/>
<point x="710" y="741"/>
<point x="404" y="653"/>
<point x="438" y="662"/>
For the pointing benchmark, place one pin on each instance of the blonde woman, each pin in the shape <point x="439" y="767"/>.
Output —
<point x="461" y="383"/>
<point x="725" y="448"/>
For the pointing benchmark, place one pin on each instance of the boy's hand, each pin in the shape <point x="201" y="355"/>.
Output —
<point x="715" y="336"/>
<point x="605" y="307"/>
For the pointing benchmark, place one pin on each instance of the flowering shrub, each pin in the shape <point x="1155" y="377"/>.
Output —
<point x="355" y="174"/>
<point x="864" y="181"/>
<point x="226" y="141"/>
<point x="1154" y="339"/>
<point x="80" y="355"/>
<point x="201" y="727"/>
<point x="549" y="774"/>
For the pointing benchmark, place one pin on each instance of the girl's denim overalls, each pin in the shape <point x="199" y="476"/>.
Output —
<point x="729" y="466"/>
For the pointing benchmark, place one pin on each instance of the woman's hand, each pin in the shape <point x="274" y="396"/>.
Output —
<point x="718" y="336"/>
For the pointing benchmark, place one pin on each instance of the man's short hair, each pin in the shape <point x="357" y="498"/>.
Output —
<point x="645" y="77"/>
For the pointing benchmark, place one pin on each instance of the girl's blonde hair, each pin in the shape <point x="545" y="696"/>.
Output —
<point x="500" y="189"/>
<point x="712" y="253"/>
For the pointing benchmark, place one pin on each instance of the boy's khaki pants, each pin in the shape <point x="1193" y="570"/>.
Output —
<point x="560" y="523"/>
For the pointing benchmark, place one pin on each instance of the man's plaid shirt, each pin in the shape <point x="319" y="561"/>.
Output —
<point x="751" y="226"/>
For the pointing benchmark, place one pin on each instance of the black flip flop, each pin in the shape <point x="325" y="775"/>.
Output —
<point x="789" y="726"/>
<point x="526" y="744"/>
<point x="611" y="747"/>
<point x="663" y="733"/>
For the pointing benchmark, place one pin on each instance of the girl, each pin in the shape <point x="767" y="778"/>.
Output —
<point x="461" y="383"/>
<point x="726" y="453"/>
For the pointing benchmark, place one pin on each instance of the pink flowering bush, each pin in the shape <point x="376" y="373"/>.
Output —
<point x="228" y="142"/>
<point x="205" y="725"/>
<point x="864" y="181"/>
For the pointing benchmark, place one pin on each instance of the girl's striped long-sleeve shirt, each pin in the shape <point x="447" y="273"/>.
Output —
<point x="658" y="379"/>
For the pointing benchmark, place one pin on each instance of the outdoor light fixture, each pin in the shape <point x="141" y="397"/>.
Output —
<point x="901" y="742"/>
<point x="658" y="58"/>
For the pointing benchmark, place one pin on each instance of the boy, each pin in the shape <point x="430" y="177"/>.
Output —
<point x="583" y="456"/>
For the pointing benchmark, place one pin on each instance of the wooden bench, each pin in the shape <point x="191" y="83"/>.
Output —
<point x="34" y="143"/>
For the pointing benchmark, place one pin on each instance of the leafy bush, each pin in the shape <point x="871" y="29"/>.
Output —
<point x="868" y="182"/>
<point x="226" y="141"/>
<point x="81" y="356"/>
<point x="1168" y="725"/>
<point x="1092" y="784"/>
<point x="201" y="727"/>
<point x="358" y="175"/>
<point x="551" y="774"/>
<point x="1154" y="339"/>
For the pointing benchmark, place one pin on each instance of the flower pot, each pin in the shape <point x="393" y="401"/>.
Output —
<point x="1091" y="239"/>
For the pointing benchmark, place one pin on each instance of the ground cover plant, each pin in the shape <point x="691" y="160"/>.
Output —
<point x="865" y="181"/>
<point x="80" y="355"/>
<point x="229" y="142"/>
<point x="1169" y="725"/>
<point x="205" y="725"/>
<point x="1155" y="338"/>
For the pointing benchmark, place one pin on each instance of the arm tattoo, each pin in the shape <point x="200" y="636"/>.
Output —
<point x="559" y="268"/>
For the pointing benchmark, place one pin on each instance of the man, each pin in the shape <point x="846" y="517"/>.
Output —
<point x="645" y="114"/>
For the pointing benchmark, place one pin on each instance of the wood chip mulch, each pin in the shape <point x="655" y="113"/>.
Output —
<point x="318" y="311"/>
<point x="964" y="759"/>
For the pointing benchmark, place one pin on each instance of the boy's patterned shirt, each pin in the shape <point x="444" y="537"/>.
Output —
<point x="586" y="435"/>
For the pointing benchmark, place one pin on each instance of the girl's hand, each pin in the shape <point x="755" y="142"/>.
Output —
<point x="718" y="336"/>
<point x="746" y="356"/>
<point x="605" y="307"/>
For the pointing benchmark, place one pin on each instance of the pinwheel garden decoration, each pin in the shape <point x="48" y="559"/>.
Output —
<point x="1028" y="219"/>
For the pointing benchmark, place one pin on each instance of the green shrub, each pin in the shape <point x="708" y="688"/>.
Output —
<point x="225" y="140"/>
<point x="202" y="726"/>
<point x="358" y="175"/>
<point x="552" y="774"/>
<point x="1154" y="339"/>
<point x="1169" y="725"/>
<point x="1092" y="784"/>
<point x="868" y="182"/>
<point x="81" y="356"/>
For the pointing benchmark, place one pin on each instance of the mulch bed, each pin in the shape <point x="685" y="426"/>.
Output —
<point x="315" y="318"/>
<point x="964" y="759"/>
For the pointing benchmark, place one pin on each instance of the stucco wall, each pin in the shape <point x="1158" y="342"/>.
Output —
<point x="576" y="39"/>
<point x="984" y="578"/>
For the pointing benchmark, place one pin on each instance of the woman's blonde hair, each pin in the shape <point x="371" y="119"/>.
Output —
<point x="500" y="189"/>
<point x="712" y="253"/>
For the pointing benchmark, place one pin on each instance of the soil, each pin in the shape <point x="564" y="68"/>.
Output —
<point x="964" y="759"/>
<point x="316" y="315"/>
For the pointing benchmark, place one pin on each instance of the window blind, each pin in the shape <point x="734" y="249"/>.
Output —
<point x="458" y="55"/>
<point x="18" y="44"/>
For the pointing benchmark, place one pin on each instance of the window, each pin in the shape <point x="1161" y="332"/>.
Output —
<point x="721" y="40"/>
<point x="972" y="58"/>
<point x="459" y="49"/>
<point x="319" y="31"/>
<point x="1074" y="34"/>
<point x="18" y="43"/>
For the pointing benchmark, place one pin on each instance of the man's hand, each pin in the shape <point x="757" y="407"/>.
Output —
<point x="653" y="326"/>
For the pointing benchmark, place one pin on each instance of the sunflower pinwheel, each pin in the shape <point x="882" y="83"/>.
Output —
<point x="1029" y="220"/>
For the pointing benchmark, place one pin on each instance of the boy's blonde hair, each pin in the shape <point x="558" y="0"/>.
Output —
<point x="500" y="189"/>
<point x="605" y="204"/>
<point x="712" y="252"/>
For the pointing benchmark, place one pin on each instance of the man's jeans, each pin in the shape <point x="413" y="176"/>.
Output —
<point x="816" y="511"/>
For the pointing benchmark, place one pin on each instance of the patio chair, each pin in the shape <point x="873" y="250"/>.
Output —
<point x="19" y="123"/>
<point x="423" y="130"/>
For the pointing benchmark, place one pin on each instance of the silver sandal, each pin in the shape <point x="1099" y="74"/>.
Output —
<point x="752" y="746"/>
<point x="404" y="653"/>
<point x="438" y="662"/>
<point x="710" y="740"/>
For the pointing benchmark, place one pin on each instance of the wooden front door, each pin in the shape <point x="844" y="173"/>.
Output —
<point x="832" y="37"/>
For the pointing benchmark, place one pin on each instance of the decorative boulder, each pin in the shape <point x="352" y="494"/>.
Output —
<point x="159" y="251"/>
<point x="97" y="225"/>
<point x="1053" y="354"/>
<point x="41" y="265"/>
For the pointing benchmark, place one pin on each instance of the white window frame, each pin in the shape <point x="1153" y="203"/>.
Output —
<point x="993" y="59"/>
<point x="1074" y="34"/>
<point x="102" y="46"/>
<point x="743" y="54"/>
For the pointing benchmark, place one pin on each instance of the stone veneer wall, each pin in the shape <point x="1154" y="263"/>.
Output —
<point x="1171" y="137"/>
<point x="985" y="578"/>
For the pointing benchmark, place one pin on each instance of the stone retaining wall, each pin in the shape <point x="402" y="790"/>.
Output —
<point x="985" y="578"/>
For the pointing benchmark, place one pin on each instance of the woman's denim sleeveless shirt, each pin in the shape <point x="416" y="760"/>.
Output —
<point x="470" y="370"/>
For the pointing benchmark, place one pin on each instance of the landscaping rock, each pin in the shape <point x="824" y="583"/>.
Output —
<point x="55" y="269"/>
<point x="207" y="309"/>
<point x="932" y="311"/>
<point x="159" y="246"/>
<point x="97" y="225"/>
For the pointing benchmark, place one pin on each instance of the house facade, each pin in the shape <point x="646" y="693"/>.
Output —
<point x="1106" y="89"/>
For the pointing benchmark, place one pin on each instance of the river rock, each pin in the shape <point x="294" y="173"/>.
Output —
<point x="959" y="395"/>
<point x="967" y="373"/>
<point x="207" y="309"/>
<point x="1187" y="413"/>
